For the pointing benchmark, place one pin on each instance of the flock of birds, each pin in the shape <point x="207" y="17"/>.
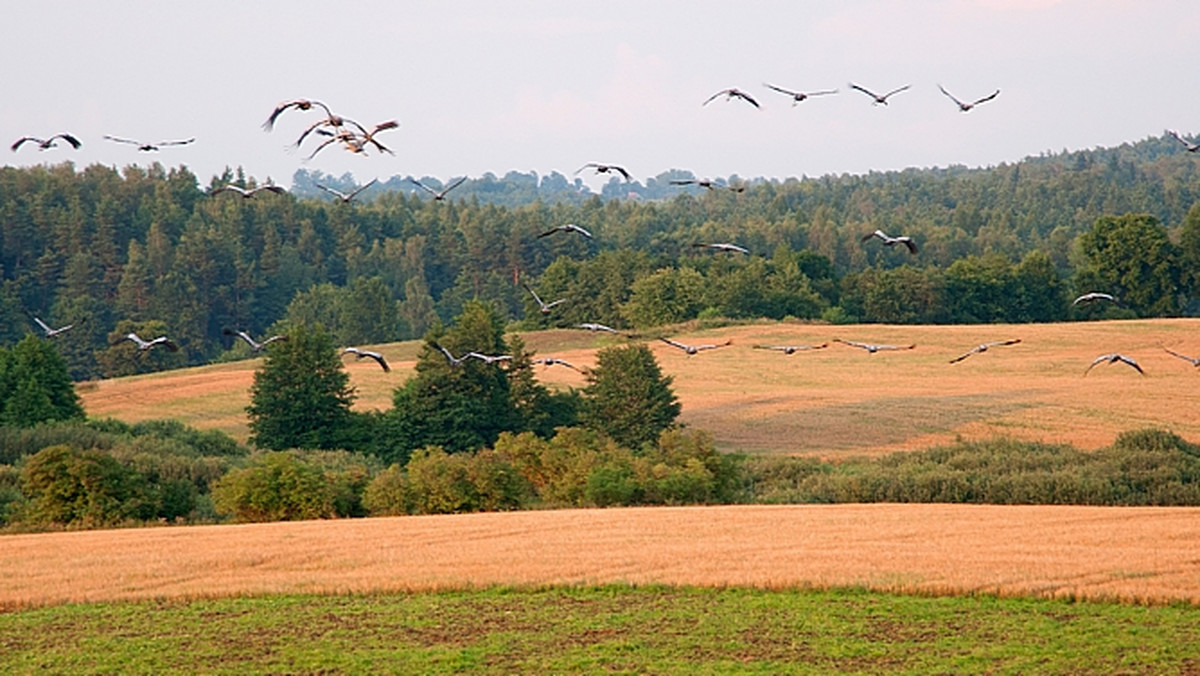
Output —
<point x="330" y="129"/>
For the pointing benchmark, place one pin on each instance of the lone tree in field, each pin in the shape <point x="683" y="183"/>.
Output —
<point x="35" y="385"/>
<point x="628" y="398"/>
<point x="301" y="395"/>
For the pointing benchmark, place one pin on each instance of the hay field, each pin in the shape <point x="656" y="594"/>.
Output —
<point x="833" y="402"/>
<point x="1130" y="554"/>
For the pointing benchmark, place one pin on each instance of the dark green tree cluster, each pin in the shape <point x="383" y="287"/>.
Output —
<point x="35" y="386"/>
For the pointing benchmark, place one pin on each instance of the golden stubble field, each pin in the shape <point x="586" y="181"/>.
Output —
<point x="833" y="402"/>
<point x="1128" y="554"/>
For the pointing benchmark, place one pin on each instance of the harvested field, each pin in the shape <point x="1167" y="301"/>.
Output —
<point x="1130" y="554"/>
<point x="830" y="402"/>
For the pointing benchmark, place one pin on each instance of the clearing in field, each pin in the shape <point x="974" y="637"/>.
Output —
<point x="831" y="402"/>
<point x="1125" y="553"/>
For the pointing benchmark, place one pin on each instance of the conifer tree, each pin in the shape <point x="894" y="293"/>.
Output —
<point x="628" y="398"/>
<point x="301" y="395"/>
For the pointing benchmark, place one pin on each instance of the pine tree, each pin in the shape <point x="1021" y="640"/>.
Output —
<point x="301" y="395"/>
<point x="628" y="398"/>
<point x="35" y="386"/>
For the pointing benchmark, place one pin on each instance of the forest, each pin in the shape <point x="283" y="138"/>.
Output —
<point x="148" y="249"/>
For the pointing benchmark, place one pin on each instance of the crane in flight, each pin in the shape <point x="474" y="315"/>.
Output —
<point x="361" y="354"/>
<point x="255" y="346"/>
<point x="984" y="348"/>
<point x="1113" y="359"/>
<point x="693" y="349"/>
<point x="873" y="348"/>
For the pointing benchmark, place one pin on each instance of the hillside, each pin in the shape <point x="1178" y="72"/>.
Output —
<point x="832" y="402"/>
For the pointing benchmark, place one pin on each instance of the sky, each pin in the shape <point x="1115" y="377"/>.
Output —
<point x="483" y="86"/>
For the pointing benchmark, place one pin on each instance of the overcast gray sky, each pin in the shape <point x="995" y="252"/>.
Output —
<point x="548" y="86"/>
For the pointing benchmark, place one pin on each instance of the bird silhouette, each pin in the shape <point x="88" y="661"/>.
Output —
<point x="984" y="348"/>
<point x="248" y="192"/>
<point x="797" y="97"/>
<point x="1112" y="359"/>
<point x="1093" y="296"/>
<point x="873" y="348"/>
<point x="569" y="227"/>
<point x="892" y="241"/>
<point x="359" y="354"/>
<point x="144" y="345"/>
<point x="438" y="195"/>
<point x="345" y="197"/>
<point x="604" y="169"/>
<point x="693" y="349"/>
<point x="555" y="361"/>
<point x="1191" y="147"/>
<point x="879" y="99"/>
<point x="543" y="306"/>
<point x="594" y="327"/>
<point x="255" y="346"/>
<point x="52" y="333"/>
<point x="731" y="94"/>
<point x="790" y="349"/>
<point x="47" y="143"/>
<point x="964" y="106"/>
<point x="707" y="183"/>
<point x="1195" y="362"/>
<point x="722" y="246"/>
<point x="149" y="147"/>
<point x="298" y="104"/>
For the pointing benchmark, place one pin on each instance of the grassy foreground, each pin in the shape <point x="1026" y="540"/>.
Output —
<point x="604" y="629"/>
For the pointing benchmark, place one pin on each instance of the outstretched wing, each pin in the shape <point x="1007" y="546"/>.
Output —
<point x="453" y="185"/>
<point x="952" y="97"/>
<point x="672" y="343"/>
<point x="896" y="91"/>
<point x="336" y="193"/>
<point x="122" y="140"/>
<point x="987" y="98"/>
<point x="864" y="90"/>
<point x="781" y="90"/>
<point x="75" y="143"/>
<point x="379" y="358"/>
<point x="177" y="143"/>
<point x="723" y="92"/>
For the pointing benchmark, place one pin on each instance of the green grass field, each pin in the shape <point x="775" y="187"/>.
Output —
<point x="616" y="629"/>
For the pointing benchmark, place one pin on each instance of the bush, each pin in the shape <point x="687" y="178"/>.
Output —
<point x="276" y="486"/>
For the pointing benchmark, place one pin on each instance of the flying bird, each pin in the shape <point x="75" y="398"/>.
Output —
<point x="298" y="104"/>
<point x="594" y="327"/>
<point x="248" y="192"/>
<point x="879" y="99"/>
<point x="984" y="348"/>
<point x="604" y="169"/>
<point x="790" y="349"/>
<point x="731" y="94"/>
<point x="707" y="183"/>
<point x="330" y="120"/>
<point x="1195" y="362"/>
<point x="963" y="106"/>
<point x="52" y="333"/>
<point x="489" y="358"/>
<point x="892" y="241"/>
<point x="360" y="141"/>
<point x="1112" y="359"/>
<point x="345" y="197"/>
<point x="552" y="361"/>
<point x="255" y="346"/>
<point x="722" y="246"/>
<point x="47" y="143"/>
<point x="1095" y="295"/>
<point x="1191" y="147"/>
<point x="797" y="97"/>
<point x="693" y="349"/>
<point x="544" y="307"/>
<point x="144" y="345"/>
<point x="360" y="354"/>
<point x="149" y="147"/>
<point x="873" y="348"/>
<point x="438" y="195"/>
<point x="569" y="227"/>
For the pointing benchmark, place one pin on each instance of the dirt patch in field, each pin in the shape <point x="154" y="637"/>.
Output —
<point x="1133" y="554"/>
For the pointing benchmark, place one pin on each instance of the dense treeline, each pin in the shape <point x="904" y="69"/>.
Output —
<point x="148" y="250"/>
<point x="104" y="473"/>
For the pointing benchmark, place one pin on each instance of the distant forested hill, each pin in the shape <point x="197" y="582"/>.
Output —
<point x="147" y="249"/>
